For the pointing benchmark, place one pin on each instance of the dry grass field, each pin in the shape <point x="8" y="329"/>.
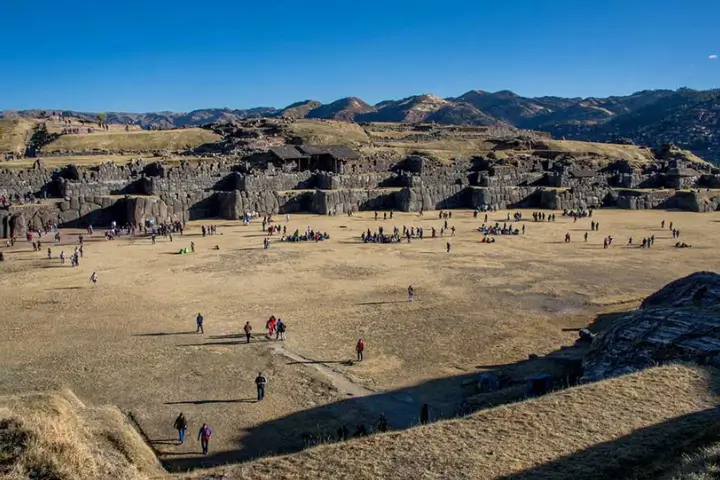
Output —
<point x="14" y="133"/>
<point x="180" y="139"/>
<point x="610" y="429"/>
<point x="130" y="341"/>
<point x="328" y="132"/>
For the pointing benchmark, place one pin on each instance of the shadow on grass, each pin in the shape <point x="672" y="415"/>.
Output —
<point x="205" y="402"/>
<point x="384" y="302"/>
<point x="313" y="362"/>
<point x="213" y="344"/>
<point x="162" y="334"/>
<point x="633" y="456"/>
<point x="165" y="441"/>
<point x="446" y="398"/>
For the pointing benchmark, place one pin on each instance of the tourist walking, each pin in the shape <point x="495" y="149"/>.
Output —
<point x="260" y="383"/>
<point x="360" y="348"/>
<point x="204" y="437"/>
<point x="248" y="330"/>
<point x="199" y="319"/>
<point x="411" y="293"/>
<point x="280" y="327"/>
<point x="94" y="278"/>
<point x="181" y="425"/>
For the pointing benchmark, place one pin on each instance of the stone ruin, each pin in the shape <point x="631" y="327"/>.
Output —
<point x="679" y="323"/>
<point x="267" y="182"/>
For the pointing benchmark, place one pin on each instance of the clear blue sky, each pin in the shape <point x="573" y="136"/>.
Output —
<point x="153" y="55"/>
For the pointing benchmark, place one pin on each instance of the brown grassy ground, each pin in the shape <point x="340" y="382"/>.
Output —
<point x="130" y="341"/>
<point x="14" y="133"/>
<point x="329" y="132"/>
<point x="180" y="139"/>
<point x="93" y="160"/>
<point x="602" y="430"/>
<point x="631" y="153"/>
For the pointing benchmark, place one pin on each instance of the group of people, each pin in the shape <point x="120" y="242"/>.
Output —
<point x="208" y="230"/>
<point x="517" y="216"/>
<point x="7" y="200"/>
<point x="385" y="215"/>
<point x="274" y="326"/>
<point x="310" y="235"/>
<point x="542" y="216"/>
<point x="496" y="229"/>
<point x="646" y="242"/>
<point x="580" y="213"/>
<point x="204" y="434"/>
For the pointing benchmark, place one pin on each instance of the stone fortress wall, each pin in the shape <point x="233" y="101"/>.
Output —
<point x="140" y="191"/>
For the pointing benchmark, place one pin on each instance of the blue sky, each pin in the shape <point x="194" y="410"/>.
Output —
<point x="159" y="55"/>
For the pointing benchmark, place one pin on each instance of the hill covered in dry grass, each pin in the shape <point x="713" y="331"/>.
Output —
<point x="600" y="430"/>
<point x="138" y="141"/>
<point x="635" y="426"/>
<point x="55" y="436"/>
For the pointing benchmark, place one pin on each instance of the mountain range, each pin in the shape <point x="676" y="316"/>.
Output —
<point x="688" y="118"/>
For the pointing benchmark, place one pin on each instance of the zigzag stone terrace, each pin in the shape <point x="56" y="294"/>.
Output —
<point x="322" y="180"/>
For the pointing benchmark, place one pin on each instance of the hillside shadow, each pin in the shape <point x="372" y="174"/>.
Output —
<point x="446" y="398"/>
<point x="633" y="456"/>
<point x="205" y="402"/>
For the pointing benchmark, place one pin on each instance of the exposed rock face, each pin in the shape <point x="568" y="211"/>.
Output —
<point x="431" y="198"/>
<point x="140" y="209"/>
<point x="233" y="205"/>
<point x="231" y="186"/>
<point x="343" y="201"/>
<point x="681" y="322"/>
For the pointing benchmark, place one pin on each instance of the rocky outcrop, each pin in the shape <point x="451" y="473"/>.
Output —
<point x="504" y="197"/>
<point x="137" y="210"/>
<point x="572" y="198"/>
<point x="693" y="201"/>
<point x="431" y="198"/>
<point x="343" y="201"/>
<point x="233" y="205"/>
<point x="680" y="322"/>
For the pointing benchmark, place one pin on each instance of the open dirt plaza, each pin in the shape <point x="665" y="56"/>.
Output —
<point x="130" y="340"/>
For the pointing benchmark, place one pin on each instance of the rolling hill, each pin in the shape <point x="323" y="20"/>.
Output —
<point x="688" y="118"/>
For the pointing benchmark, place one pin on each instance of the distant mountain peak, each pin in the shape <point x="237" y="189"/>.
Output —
<point x="686" y="117"/>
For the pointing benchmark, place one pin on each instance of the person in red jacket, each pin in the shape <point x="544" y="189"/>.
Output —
<point x="360" y="348"/>
<point x="271" y="323"/>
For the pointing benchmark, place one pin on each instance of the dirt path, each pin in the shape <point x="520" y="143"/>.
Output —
<point x="401" y="409"/>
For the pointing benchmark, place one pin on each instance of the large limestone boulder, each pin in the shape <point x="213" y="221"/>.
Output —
<point x="680" y="322"/>
<point x="140" y="209"/>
